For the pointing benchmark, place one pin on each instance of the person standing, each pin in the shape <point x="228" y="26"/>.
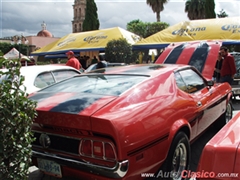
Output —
<point x="100" y="64"/>
<point x="72" y="61"/>
<point x="217" y="70"/>
<point x="94" y="60"/>
<point x="228" y="69"/>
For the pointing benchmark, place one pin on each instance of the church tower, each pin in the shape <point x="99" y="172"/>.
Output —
<point x="79" y="9"/>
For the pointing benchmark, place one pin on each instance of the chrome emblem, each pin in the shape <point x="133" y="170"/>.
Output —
<point x="45" y="140"/>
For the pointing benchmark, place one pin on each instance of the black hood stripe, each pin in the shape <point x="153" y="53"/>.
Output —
<point x="72" y="103"/>
<point x="76" y="105"/>
<point x="175" y="53"/>
<point x="199" y="56"/>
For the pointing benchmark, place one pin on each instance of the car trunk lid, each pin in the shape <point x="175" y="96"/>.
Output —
<point x="70" y="111"/>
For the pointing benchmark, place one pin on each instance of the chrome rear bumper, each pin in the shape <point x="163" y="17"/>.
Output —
<point x="118" y="171"/>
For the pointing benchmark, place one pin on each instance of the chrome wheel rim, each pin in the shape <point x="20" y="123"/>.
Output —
<point x="228" y="115"/>
<point x="179" y="161"/>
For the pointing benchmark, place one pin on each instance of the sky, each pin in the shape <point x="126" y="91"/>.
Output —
<point x="24" y="17"/>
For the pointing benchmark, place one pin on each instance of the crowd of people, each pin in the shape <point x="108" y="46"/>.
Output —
<point x="225" y="67"/>
<point x="83" y="62"/>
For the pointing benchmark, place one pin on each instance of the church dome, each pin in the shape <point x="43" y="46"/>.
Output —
<point x="44" y="32"/>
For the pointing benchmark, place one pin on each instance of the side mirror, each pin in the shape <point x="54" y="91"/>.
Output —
<point x="210" y="83"/>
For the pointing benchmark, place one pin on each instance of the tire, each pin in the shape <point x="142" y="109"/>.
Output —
<point x="178" y="158"/>
<point x="227" y="115"/>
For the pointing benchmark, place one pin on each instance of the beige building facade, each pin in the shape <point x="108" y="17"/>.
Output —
<point x="79" y="10"/>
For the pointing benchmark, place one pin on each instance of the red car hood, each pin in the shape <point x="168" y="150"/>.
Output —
<point x="221" y="153"/>
<point x="64" y="107"/>
<point x="200" y="54"/>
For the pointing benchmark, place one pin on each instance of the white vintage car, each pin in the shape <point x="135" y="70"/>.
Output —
<point x="40" y="76"/>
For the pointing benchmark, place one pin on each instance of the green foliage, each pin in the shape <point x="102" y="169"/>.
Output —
<point x="200" y="9"/>
<point x="16" y="115"/>
<point x="91" y="21"/>
<point x="145" y="29"/>
<point x="6" y="47"/>
<point x="222" y="14"/>
<point x="118" y="51"/>
<point x="210" y="9"/>
<point x="195" y="9"/>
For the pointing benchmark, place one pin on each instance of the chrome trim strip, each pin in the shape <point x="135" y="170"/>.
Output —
<point x="54" y="134"/>
<point x="118" y="171"/>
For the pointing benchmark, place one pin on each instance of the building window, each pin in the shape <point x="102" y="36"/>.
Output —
<point x="75" y="28"/>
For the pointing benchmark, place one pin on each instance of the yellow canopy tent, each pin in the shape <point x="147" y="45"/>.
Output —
<point x="223" y="29"/>
<point x="86" y="41"/>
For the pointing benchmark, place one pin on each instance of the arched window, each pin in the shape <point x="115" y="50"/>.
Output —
<point x="80" y="14"/>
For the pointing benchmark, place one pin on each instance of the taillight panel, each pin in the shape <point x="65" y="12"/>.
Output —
<point x="102" y="150"/>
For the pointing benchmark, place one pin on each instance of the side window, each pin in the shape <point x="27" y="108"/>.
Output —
<point x="193" y="80"/>
<point x="64" y="74"/>
<point x="44" y="80"/>
<point x="180" y="83"/>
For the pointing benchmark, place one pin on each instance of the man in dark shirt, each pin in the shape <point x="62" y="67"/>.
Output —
<point x="228" y="69"/>
<point x="217" y="70"/>
<point x="100" y="64"/>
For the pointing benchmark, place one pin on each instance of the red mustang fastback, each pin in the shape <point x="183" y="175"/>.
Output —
<point x="221" y="155"/>
<point x="129" y="122"/>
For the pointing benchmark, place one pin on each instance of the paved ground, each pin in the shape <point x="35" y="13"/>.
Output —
<point x="196" y="148"/>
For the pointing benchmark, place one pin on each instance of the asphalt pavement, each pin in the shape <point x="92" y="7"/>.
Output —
<point x="196" y="147"/>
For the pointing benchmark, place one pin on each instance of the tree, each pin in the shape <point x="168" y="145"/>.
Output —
<point x="157" y="6"/>
<point x="16" y="116"/>
<point x="145" y="29"/>
<point x="91" y="21"/>
<point x="118" y="50"/>
<point x="210" y="9"/>
<point x="222" y="14"/>
<point x="6" y="47"/>
<point x="200" y="9"/>
<point x="195" y="9"/>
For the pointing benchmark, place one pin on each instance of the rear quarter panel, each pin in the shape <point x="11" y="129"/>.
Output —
<point x="143" y="117"/>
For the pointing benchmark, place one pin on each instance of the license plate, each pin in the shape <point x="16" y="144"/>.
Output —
<point x="49" y="167"/>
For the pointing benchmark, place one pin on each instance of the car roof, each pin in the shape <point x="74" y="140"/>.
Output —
<point x="36" y="69"/>
<point x="141" y="69"/>
<point x="40" y="68"/>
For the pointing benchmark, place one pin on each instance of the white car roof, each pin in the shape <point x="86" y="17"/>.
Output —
<point x="31" y="72"/>
<point x="40" y="68"/>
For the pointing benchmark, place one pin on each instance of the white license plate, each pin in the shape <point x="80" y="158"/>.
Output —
<point x="49" y="167"/>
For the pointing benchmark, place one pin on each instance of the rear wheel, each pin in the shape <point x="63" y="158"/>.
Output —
<point x="177" y="160"/>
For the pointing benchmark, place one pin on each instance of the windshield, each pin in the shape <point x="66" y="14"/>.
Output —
<point x="97" y="84"/>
